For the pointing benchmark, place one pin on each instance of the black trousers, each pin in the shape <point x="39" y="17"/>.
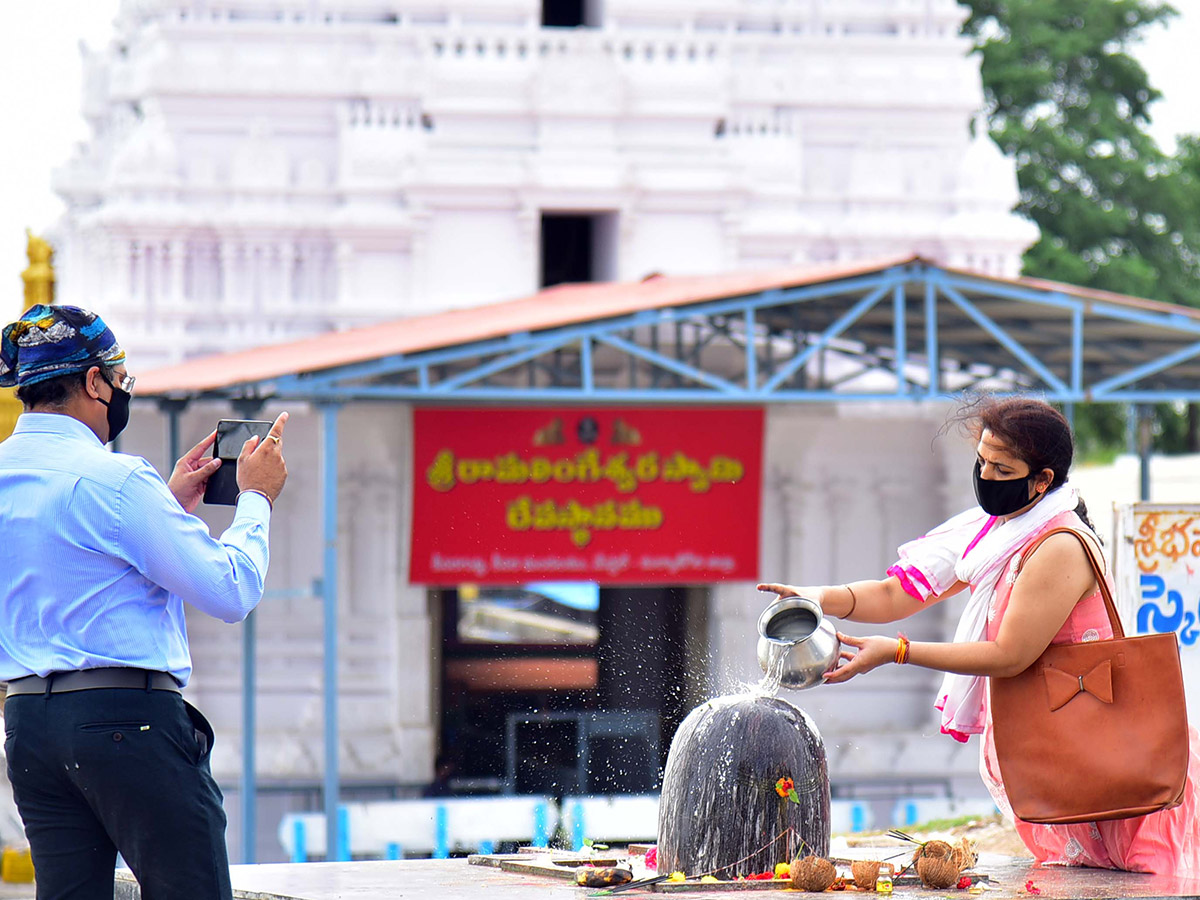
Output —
<point x="101" y="771"/>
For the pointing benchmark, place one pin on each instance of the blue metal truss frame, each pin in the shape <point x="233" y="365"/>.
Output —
<point x="738" y="319"/>
<point x="913" y="292"/>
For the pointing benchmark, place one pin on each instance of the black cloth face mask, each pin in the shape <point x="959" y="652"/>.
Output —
<point x="1001" y="498"/>
<point x="118" y="409"/>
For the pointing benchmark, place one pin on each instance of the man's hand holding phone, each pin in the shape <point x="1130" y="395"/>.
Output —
<point x="191" y="474"/>
<point x="260" y="465"/>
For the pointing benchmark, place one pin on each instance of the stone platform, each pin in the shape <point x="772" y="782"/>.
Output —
<point x="454" y="879"/>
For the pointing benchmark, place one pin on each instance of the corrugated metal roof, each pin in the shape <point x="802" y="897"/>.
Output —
<point x="554" y="307"/>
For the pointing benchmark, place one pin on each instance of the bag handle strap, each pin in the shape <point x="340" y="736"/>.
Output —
<point x="1113" y="618"/>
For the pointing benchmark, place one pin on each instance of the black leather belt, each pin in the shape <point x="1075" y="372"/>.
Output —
<point x="93" y="679"/>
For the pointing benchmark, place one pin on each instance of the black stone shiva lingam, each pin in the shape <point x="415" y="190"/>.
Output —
<point x="746" y="787"/>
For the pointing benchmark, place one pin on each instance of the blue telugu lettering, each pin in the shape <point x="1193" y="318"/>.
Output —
<point x="1189" y="634"/>
<point x="1152" y="619"/>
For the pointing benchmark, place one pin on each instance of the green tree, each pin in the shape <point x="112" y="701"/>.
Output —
<point x="1186" y="186"/>
<point x="1072" y="106"/>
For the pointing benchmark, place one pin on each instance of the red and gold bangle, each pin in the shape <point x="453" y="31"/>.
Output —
<point x="901" y="650"/>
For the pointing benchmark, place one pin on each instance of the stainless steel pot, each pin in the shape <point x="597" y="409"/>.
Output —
<point x="796" y="640"/>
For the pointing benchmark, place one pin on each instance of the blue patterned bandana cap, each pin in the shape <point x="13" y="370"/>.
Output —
<point x="49" y="341"/>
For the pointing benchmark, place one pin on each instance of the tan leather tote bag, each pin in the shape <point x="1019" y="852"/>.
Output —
<point x="1096" y="730"/>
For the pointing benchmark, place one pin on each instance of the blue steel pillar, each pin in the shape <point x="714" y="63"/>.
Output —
<point x="329" y="583"/>
<point x="1145" y="439"/>
<point x="173" y="453"/>
<point x="173" y="409"/>
<point x="900" y="337"/>
<point x="931" y="338"/>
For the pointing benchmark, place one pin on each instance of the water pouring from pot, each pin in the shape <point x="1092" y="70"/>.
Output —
<point x="797" y="645"/>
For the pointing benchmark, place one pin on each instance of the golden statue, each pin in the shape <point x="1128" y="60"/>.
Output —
<point x="39" y="277"/>
<point x="39" y="288"/>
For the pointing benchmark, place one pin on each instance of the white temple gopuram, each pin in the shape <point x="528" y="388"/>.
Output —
<point x="262" y="170"/>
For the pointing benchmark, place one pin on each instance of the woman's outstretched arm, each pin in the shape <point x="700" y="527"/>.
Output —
<point x="1053" y="580"/>
<point x="863" y="601"/>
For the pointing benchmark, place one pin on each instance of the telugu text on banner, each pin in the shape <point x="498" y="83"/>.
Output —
<point x="1157" y="560"/>
<point x="611" y="495"/>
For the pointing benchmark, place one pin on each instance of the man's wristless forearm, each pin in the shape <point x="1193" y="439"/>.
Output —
<point x="262" y="494"/>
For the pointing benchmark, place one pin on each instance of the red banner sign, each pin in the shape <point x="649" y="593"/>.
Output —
<point x="614" y="495"/>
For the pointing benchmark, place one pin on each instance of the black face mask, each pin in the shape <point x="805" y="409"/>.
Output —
<point x="118" y="409"/>
<point x="1001" y="498"/>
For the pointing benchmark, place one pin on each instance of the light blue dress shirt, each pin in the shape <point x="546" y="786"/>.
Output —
<point x="97" y="557"/>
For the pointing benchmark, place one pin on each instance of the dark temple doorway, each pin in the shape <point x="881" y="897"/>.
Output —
<point x="541" y="697"/>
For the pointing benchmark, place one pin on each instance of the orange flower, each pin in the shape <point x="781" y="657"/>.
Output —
<point x="786" y="788"/>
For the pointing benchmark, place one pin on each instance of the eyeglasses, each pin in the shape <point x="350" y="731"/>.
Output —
<point x="125" y="382"/>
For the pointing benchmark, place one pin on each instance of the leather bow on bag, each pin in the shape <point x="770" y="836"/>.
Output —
<point x="1096" y="730"/>
<point x="1062" y="687"/>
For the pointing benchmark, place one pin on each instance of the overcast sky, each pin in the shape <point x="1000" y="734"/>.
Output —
<point x="40" y="79"/>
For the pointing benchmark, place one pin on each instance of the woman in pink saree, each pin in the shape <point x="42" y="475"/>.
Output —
<point x="1019" y="604"/>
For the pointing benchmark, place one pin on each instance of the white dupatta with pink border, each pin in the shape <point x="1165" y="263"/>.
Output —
<point x="974" y="548"/>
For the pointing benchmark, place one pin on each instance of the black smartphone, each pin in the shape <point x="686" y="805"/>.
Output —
<point x="232" y="434"/>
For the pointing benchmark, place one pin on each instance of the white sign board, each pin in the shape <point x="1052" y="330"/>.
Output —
<point x="1157" y="567"/>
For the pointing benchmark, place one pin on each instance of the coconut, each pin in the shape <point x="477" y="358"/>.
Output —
<point x="963" y="854"/>
<point x="938" y="871"/>
<point x="933" y="850"/>
<point x="813" y="873"/>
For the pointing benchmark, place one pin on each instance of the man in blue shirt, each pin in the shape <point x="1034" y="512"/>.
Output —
<point x="98" y="558"/>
